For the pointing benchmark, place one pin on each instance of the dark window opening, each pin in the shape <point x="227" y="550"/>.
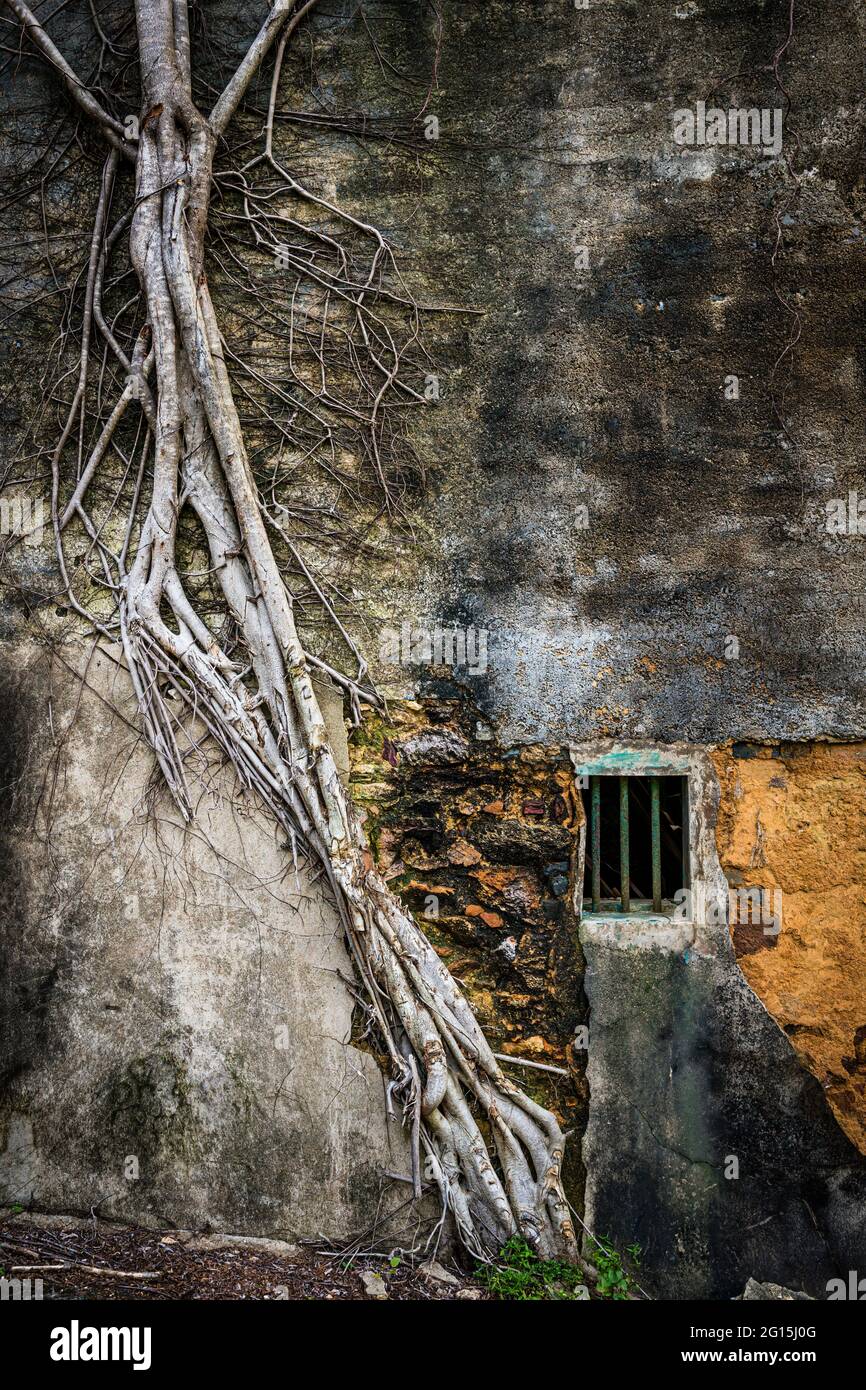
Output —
<point x="636" y="842"/>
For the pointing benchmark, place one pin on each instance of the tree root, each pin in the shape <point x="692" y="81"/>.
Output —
<point x="494" y="1155"/>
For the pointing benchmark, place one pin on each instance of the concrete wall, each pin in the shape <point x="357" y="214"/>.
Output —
<point x="161" y="1004"/>
<point x="700" y="597"/>
<point x="604" y="387"/>
<point x="139" y="1008"/>
<point x="791" y="823"/>
<point x="708" y="1142"/>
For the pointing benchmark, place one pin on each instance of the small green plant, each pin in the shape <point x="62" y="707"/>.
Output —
<point x="16" y="1210"/>
<point x="395" y="1262"/>
<point x="519" y="1274"/>
<point x="613" y="1281"/>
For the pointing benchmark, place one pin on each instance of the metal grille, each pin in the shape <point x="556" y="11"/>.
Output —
<point x="662" y="840"/>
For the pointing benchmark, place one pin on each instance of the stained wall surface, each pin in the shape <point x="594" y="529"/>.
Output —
<point x="647" y="559"/>
<point x="791" y="823"/>
<point x="176" y="1030"/>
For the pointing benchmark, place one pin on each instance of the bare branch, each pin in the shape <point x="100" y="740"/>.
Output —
<point x="255" y="55"/>
<point x="77" y="90"/>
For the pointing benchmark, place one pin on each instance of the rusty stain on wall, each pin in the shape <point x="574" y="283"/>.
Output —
<point x="791" y="817"/>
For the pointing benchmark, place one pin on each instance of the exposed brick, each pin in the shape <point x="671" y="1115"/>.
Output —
<point x="448" y="810"/>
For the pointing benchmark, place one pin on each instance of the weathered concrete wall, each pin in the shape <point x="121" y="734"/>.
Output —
<point x="604" y="387"/>
<point x="170" y="998"/>
<point x="599" y="388"/>
<point x="708" y="1142"/>
<point x="686" y="1073"/>
<point x="700" y="596"/>
<point x="711" y="1137"/>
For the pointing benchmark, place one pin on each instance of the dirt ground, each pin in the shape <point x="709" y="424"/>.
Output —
<point x="90" y="1259"/>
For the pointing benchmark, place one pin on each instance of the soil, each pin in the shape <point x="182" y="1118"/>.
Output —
<point x="98" y="1260"/>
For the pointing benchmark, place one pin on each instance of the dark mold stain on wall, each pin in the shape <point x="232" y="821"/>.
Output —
<point x="712" y="1146"/>
<point x="604" y="387"/>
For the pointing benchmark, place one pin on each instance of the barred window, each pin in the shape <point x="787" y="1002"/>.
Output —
<point x="636" y="843"/>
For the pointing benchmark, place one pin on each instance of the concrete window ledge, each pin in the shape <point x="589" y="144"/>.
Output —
<point x="643" y="932"/>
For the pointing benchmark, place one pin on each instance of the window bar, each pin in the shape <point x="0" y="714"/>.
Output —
<point x="684" y="817"/>
<point x="623" y="846"/>
<point x="595" y="797"/>
<point x="655" y="793"/>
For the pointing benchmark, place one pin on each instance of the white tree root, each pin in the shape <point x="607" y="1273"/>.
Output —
<point x="494" y="1154"/>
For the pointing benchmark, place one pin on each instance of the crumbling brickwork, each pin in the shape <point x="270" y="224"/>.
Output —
<point x="480" y="841"/>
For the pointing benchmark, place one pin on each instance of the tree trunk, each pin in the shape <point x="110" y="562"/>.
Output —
<point x="494" y="1154"/>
